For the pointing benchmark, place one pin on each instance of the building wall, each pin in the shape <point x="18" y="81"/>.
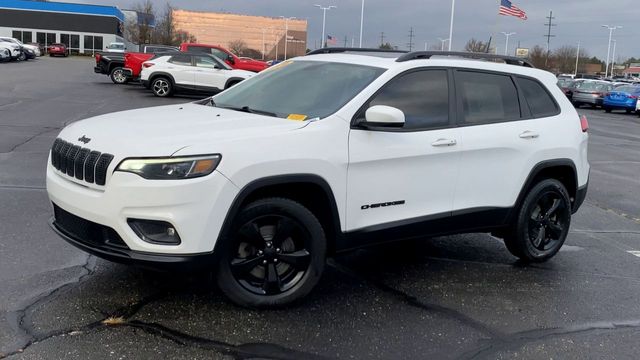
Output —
<point x="57" y="37"/>
<point x="263" y="34"/>
<point x="60" y="21"/>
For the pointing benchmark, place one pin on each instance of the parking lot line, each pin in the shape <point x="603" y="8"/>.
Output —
<point x="634" y="252"/>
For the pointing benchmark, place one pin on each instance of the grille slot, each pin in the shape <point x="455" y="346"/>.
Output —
<point x="81" y="163"/>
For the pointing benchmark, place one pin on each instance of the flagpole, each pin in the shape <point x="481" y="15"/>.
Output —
<point x="453" y="8"/>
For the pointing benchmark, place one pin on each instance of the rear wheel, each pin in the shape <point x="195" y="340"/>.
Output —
<point x="542" y="223"/>
<point x="628" y="111"/>
<point x="162" y="87"/>
<point x="274" y="254"/>
<point x="607" y="109"/>
<point x="22" y="57"/>
<point x="118" y="76"/>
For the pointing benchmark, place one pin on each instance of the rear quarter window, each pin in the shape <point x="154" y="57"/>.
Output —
<point x="487" y="98"/>
<point x="540" y="101"/>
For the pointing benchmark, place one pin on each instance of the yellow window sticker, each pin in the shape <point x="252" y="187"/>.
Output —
<point x="297" y="117"/>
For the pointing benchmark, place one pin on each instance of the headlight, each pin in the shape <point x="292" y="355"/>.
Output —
<point x="172" y="168"/>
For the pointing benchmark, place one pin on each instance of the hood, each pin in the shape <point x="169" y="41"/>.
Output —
<point x="163" y="130"/>
<point x="30" y="47"/>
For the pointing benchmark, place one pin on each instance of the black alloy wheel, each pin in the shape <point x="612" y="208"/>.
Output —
<point x="274" y="256"/>
<point x="542" y="224"/>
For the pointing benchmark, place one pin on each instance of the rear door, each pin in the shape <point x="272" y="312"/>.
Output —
<point x="507" y="125"/>
<point x="211" y="76"/>
<point x="180" y="66"/>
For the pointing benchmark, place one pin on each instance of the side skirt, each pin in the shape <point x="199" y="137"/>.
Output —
<point x="457" y="222"/>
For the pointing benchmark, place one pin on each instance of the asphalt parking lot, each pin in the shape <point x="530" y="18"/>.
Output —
<point x="460" y="297"/>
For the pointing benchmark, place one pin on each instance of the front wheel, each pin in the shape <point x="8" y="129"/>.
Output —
<point x="22" y="57"/>
<point x="542" y="223"/>
<point x="118" y="76"/>
<point x="273" y="256"/>
<point x="607" y="109"/>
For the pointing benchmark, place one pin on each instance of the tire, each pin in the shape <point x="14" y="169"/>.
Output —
<point x="22" y="57"/>
<point x="543" y="218"/>
<point x="162" y="87"/>
<point x="607" y="110"/>
<point x="286" y="247"/>
<point x="118" y="76"/>
<point x="576" y="104"/>
<point x="628" y="111"/>
<point x="232" y="83"/>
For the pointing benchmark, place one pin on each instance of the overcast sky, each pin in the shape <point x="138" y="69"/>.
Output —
<point x="576" y="21"/>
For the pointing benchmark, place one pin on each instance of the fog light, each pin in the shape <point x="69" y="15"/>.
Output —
<point x="155" y="232"/>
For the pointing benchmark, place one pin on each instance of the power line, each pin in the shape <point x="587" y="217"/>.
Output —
<point x="549" y="35"/>
<point x="411" y="36"/>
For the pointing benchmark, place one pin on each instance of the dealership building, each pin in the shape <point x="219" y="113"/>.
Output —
<point x="83" y="28"/>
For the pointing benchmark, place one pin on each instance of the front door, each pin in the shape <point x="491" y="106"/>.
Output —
<point x="405" y="175"/>
<point x="211" y="76"/>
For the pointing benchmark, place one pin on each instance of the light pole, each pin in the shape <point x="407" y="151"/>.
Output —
<point x="442" y="41"/>
<point x="361" y="22"/>
<point x="577" y="59"/>
<point x="613" y="57"/>
<point x="286" y="33"/>
<point x="263" y="44"/>
<point x="611" y="28"/>
<point x="324" y="19"/>
<point x="453" y="8"/>
<point x="426" y="43"/>
<point x="506" y="45"/>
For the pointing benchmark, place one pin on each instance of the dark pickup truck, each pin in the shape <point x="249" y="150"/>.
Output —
<point x="112" y="64"/>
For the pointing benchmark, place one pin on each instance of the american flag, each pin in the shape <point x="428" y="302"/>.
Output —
<point x="331" y="40"/>
<point x="508" y="9"/>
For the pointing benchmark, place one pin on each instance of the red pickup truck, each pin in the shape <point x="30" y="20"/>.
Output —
<point x="227" y="56"/>
<point x="133" y="60"/>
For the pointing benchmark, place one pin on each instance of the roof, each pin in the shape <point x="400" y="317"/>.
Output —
<point x="71" y="8"/>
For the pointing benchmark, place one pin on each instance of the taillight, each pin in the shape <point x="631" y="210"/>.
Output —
<point x="147" y="64"/>
<point x="633" y="97"/>
<point x="98" y="57"/>
<point x="584" y="123"/>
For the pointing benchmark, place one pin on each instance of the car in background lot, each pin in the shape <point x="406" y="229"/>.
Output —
<point x="227" y="56"/>
<point x="183" y="72"/>
<point x="5" y="54"/>
<point x="133" y="60"/>
<point x="58" y="50"/>
<point x="590" y="92"/>
<point x="116" y="47"/>
<point x="622" y="98"/>
<point x="566" y="85"/>
<point x="31" y="51"/>
<point x="14" y="51"/>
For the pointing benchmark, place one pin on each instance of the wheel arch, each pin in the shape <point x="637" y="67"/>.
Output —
<point x="157" y="74"/>
<point x="312" y="191"/>
<point x="563" y="170"/>
<point x="232" y="81"/>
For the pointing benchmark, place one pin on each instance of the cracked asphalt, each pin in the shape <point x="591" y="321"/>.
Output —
<point x="458" y="297"/>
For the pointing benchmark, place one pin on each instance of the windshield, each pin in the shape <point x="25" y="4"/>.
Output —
<point x="627" y="89"/>
<point x="565" y="82"/>
<point x="300" y="89"/>
<point x="115" y="46"/>
<point x="593" y="86"/>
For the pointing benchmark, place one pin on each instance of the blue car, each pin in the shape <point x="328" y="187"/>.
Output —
<point x="623" y="98"/>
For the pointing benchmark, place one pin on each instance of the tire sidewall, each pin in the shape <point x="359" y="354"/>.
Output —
<point x="527" y="250"/>
<point x="317" y="247"/>
<point x="113" y="78"/>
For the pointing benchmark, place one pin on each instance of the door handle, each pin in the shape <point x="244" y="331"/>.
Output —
<point x="529" y="135"/>
<point x="444" y="142"/>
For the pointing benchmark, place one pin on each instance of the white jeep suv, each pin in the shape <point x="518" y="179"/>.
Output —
<point x="166" y="74"/>
<point x="322" y="154"/>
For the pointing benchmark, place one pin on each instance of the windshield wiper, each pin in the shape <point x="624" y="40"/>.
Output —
<point x="250" y="110"/>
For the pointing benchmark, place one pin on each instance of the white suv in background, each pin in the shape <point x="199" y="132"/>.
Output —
<point x="166" y="74"/>
<point x="321" y="154"/>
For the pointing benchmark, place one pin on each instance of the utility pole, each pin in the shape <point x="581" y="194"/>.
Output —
<point x="345" y="41"/>
<point x="382" y="38"/>
<point x="411" y="36"/>
<point x="548" y="35"/>
<point x="613" y="58"/>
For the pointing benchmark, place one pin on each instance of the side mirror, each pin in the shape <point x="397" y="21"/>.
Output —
<point x="383" y="116"/>
<point x="230" y="59"/>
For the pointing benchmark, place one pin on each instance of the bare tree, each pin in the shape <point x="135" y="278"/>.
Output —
<point x="564" y="58"/>
<point x="140" y="30"/>
<point x="476" y="46"/>
<point x="237" y="46"/>
<point x="386" y="46"/>
<point x="537" y="56"/>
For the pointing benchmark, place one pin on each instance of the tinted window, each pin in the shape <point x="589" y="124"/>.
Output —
<point x="540" y="102"/>
<point x="16" y="34"/>
<point x="487" y="98"/>
<point x="27" y="36"/>
<point x="181" y="60"/>
<point x="423" y="96"/>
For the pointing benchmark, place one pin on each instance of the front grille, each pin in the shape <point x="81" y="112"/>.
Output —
<point x="81" y="163"/>
<point x="85" y="231"/>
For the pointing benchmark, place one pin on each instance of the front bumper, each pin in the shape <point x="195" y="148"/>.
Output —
<point x="581" y="195"/>
<point x="196" y="208"/>
<point x="146" y="84"/>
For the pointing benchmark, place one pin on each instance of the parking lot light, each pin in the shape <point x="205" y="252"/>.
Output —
<point x="611" y="29"/>
<point x="324" y="19"/>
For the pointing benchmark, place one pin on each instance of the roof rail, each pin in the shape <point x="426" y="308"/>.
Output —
<point x="511" y="60"/>
<point x="334" y="50"/>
